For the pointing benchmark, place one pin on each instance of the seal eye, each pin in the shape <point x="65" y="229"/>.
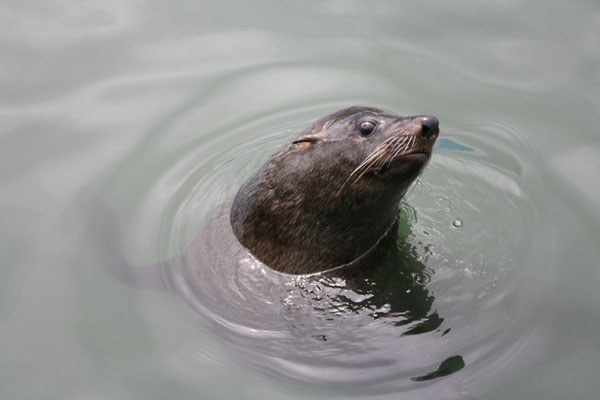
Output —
<point x="366" y="128"/>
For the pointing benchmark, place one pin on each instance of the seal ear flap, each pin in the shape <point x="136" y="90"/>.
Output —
<point x="307" y="140"/>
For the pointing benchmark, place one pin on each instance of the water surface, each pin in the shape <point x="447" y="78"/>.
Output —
<point x="160" y="111"/>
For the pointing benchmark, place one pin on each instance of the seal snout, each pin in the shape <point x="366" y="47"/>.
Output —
<point x="430" y="126"/>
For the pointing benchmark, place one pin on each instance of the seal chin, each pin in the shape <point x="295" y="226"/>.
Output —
<point x="409" y="161"/>
<point x="406" y="167"/>
<point x="416" y="157"/>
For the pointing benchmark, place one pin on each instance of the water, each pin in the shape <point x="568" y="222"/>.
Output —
<point x="160" y="111"/>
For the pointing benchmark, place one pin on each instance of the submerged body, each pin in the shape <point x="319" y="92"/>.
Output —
<point x="331" y="196"/>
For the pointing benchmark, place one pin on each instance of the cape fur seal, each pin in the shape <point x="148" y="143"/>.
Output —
<point x="328" y="198"/>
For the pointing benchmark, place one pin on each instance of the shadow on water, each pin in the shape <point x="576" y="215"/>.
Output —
<point x="273" y="321"/>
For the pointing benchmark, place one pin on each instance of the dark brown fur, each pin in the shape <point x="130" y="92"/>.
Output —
<point x="329" y="197"/>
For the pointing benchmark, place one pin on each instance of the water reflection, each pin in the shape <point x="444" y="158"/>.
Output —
<point x="391" y="284"/>
<point x="447" y="367"/>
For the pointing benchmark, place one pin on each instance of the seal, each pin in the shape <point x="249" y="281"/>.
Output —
<point x="328" y="198"/>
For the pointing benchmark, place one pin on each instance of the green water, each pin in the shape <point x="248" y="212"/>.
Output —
<point x="161" y="110"/>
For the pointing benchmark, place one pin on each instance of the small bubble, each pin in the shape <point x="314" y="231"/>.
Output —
<point x="457" y="223"/>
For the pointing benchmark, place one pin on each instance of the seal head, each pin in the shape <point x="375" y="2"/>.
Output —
<point x="329" y="197"/>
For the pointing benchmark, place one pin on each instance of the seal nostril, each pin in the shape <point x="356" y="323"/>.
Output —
<point x="430" y="126"/>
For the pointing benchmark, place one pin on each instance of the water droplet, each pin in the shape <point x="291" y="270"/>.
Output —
<point x="457" y="223"/>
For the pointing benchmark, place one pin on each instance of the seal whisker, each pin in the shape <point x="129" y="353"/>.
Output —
<point x="405" y="145"/>
<point x="367" y="163"/>
<point x="385" y="152"/>
<point x="365" y="168"/>
<point x="401" y="144"/>
<point x="390" y="154"/>
<point x="373" y="156"/>
<point x="402" y="147"/>
<point x="382" y="155"/>
<point x="383" y="160"/>
<point x="397" y="151"/>
<point x="409" y="145"/>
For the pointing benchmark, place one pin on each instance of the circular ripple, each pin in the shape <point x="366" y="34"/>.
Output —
<point x="453" y="293"/>
<point x="375" y="336"/>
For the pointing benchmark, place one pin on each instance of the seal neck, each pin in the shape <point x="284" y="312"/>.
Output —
<point x="308" y="234"/>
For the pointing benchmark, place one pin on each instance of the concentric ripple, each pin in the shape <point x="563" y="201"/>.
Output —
<point x="452" y="295"/>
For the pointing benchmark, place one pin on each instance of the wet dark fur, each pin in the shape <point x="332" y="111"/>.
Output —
<point x="329" y="198"/>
